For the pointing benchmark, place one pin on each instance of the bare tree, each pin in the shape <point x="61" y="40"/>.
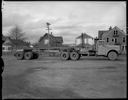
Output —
<point x="17" y="34"/>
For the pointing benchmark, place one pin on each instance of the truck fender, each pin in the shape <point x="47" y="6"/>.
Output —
<point x="114" y="51"/>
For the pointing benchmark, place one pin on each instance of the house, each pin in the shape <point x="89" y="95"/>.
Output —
<point x="12" y="44"/>
<point x="114" y="36"/>
<point x="84" y="40"/>
<point x="48" y="40"/>
<point x="6" y="47"/>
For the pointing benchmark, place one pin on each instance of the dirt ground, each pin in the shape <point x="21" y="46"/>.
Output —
<point x="50" y="77"/>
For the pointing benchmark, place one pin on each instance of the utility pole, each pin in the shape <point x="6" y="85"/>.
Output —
<point x="48" y="24"/>
<point x="82" y="40"/>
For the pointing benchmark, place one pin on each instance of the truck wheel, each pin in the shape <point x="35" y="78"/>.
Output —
<point x="65" y="56"/>
<point x="28" y="55"/>
<point x="112" y="55"/>
<point x="19" y="55"/>
<point x="35" y="55"/>
<point x="74" y="56"/>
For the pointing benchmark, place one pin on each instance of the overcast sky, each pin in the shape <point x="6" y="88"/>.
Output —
<point x="68" y="19"/>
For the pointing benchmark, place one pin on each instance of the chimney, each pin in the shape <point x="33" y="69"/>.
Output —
<point x="51" y="33"/>
<point x="110" y="28"/>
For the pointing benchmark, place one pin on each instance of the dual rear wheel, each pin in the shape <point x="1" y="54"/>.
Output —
<point x="70" y="55"/>
<point x="19" y="55"/>
<point x="65" y="56"/>
<point x="26" y="55"/>
<point x="74" y="56"/>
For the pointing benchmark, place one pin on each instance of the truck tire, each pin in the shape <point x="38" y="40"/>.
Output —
<point x="28" y="55"/>
<point x="74" y="56"/>
<point x="65" y="56"/>
<point x="35" y="55"/>
<point x="19" y="55"/>
<point x="112" y="55"/>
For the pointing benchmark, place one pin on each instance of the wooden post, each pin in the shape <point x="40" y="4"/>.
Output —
<point x="48" y="24"/>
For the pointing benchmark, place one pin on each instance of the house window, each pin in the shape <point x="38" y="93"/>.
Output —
<point x="107" y="39"/>
<point x="46" y="41"/>
<point x="123" y="39"/>
<point x="115" y="32"/>
<point x="115" y="40"/>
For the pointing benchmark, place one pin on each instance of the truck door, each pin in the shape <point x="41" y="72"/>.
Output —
<point x="101" y="48"/>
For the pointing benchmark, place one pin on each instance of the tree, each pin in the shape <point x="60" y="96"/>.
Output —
<point x="17" y="34"/>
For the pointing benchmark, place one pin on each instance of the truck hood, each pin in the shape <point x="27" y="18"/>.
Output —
<point x="116" y="47"/>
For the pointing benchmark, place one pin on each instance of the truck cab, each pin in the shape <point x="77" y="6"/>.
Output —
<point x="111" y="51"/>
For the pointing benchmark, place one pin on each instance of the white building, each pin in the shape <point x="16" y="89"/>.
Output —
<point x="84" y="40"/>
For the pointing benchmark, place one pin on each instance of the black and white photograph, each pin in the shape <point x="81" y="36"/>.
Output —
<point x="64" y="49"/>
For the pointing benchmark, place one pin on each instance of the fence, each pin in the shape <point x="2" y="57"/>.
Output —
<point x="8" y="53"/>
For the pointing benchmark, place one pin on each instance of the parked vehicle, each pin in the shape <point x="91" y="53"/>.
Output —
<point x="74" y="53"/>
<point x="110" y="51"/>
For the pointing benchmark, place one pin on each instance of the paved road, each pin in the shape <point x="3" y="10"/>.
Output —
<point x="90" y="77"/>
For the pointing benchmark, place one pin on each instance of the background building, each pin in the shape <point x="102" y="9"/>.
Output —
<point x="48" y="40"/>
<point x="12" y="44"/>
<point x="114" y="36"/>
<point x="85" y="41"/>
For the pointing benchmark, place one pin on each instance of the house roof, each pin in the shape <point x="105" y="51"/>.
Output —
<point x="84" y="36"/>
<point x="58" y="39"/>
<point x="15" y="42"/>
<point x="102" y="32"/>
<point x="54" y="38"/>
<point x="119" y="30"/>
<point x="19" y="42"/>
<point x="46" y="34"/>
